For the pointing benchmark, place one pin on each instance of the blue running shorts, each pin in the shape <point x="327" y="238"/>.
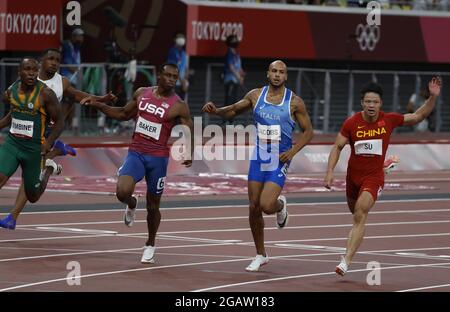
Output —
<point x="153" y="168"/>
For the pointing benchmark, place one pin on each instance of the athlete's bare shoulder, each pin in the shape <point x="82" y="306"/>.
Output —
<point x="139" y="92"/>
<point x="253" y="95"/>
<point x="296" y="103"/>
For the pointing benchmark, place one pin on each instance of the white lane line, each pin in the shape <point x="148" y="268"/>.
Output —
<point x="143" y="269"/>
<point x="314" y="274"/>
<point x="365" y="237"/>
<point x="371" y="251"/>
<point x="75" y="230"/>
<point x="140" y="235"/>
<point x="308" y="227"/>
<point x="198" y="239"/>
<point x="108" y="251"/>
<point x="424" y="288"/>
<point x="377" y="253"/>
<point x="236" y="217"/>
<point x="237" y="206"/>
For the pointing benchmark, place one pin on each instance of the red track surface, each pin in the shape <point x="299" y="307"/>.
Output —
<point x="207" y="249"/>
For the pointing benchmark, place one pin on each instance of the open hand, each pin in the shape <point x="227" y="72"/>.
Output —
<point x="434" y="86"/>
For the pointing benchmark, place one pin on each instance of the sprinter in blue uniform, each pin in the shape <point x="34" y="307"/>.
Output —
<point x="276" y="109"/>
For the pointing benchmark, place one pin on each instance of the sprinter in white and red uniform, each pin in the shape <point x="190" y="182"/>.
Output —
<point x="155" y="110"/>
<point x="368" y="133"/>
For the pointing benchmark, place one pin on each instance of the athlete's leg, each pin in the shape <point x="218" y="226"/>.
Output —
<point x="3" y="180"/>
<point x="8" y="162"/>
<point x="35" y="183"/>
<point x="255" y="215"/>
<point x="21" y="201"/>
<point x="361" y="209"/>
<point x="269" y="201"/>
<point x="351" y="204"/>
<point x="153" y="217"/>
<point x="131" y="172"/>
<point x="55" y="152"/>
<point x="124" y="190"/>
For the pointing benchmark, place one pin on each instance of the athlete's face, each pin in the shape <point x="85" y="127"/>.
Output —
<point x="277" y="74"/>
<point x="28" y="72"/>
<point x="168" y="77"/>
<point x="51" y="62"/>
<point x="371" y="104"/>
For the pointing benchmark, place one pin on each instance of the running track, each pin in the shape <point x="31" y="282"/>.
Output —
<point x="204" y="244"/>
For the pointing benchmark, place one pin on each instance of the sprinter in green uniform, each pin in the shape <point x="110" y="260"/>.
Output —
<point x="32" y="104"/>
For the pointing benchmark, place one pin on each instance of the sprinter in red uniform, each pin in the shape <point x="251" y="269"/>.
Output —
<point x="155" y="110"/>
<point x="368" y="132"/>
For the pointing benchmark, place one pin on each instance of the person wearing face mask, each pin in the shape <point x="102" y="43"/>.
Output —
<point x="177" y="55"/>
<point x="233" y="75"/>
<point x="71" y="56"/>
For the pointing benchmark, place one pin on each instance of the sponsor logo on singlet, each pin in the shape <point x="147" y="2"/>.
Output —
<point x="22" y="128"/>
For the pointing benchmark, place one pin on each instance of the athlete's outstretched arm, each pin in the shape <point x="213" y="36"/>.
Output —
<point x="79" y="95"/>
<point x="54" y="112"/>
<point x="333" y="159"/>
<point x="232" y="110"/>
<point x="302" y="117"/>
<point x="127" y="112"/>
<point x="423" y="111"/>
<point x="186" y="120"/>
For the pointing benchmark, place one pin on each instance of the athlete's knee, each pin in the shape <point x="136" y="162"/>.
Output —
<point x="32" y="197"/>
<point x="254" y="209"/>
<point x="359" y="216"/>
<point x="122" y="194"/>
<point x="267" y="206"/>
<point x="153" y="203"/>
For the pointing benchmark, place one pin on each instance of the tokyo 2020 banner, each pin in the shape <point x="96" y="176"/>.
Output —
<point x="26" y="26"/>
<point x="320" y="34"/>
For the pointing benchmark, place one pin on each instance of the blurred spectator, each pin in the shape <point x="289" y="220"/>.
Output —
<point x="177" y="55"/>
<point x="233" y="75"/>
<point x="415" y="101"/>
<point x="71" y="56"/>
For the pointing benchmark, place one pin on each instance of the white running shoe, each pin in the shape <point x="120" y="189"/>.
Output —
<point x="149" y="255"/>
<point x="130" y="214"/>
<point x="282" y="215"/>
<point x="259" y="261"/>
<point x="57" y="169"/>
<point x="391" y="163"/>
<point x="342" y="267"/>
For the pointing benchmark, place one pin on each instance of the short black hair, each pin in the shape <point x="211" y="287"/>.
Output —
<point x="161" y="67"/>
<point x="371" y="87"/>
<point x="27" y="58"/>
<point x="44" y="53"/>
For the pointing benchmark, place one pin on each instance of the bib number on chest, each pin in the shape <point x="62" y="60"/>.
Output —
<point x="22" y="128"/>
<point x="148" y="128"/>
<point x="369" y="147"/>
<point x="269" y="132"/>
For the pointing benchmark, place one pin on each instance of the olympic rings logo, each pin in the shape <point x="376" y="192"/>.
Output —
<point x="367" y="36"/>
